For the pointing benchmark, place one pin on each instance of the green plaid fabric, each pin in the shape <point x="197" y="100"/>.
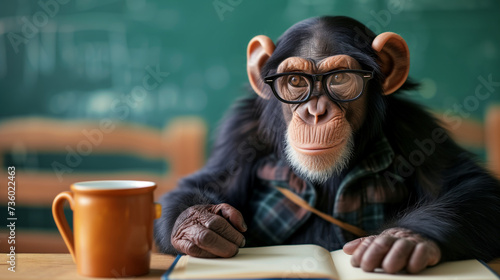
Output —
<point x="364" y="198"/>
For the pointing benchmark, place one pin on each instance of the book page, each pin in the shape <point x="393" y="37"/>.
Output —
<point x="464" y="270"/>
<point x="298" y="261"/>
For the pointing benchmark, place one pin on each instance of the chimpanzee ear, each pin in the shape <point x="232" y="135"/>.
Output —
<point x="394" y="60"/>
<point x="259" y="50"/>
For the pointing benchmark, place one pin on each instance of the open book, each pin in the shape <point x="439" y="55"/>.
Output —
<point x="311" y="262"/>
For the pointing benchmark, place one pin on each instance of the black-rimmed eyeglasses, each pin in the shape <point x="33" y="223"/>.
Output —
<point x="340" y="85"/>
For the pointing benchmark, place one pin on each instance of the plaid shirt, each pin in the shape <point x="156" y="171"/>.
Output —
<point x="365" y="198"/>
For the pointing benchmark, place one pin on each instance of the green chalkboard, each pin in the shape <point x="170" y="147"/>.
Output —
<point x="145" y="61"/>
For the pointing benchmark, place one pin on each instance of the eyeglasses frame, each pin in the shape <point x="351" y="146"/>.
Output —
<point x="313" y="78"/>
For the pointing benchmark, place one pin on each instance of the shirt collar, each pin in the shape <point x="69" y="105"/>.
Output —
<point x="380" y="158"/>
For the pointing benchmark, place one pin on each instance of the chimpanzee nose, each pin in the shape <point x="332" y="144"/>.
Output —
<point x="317" y="110"/>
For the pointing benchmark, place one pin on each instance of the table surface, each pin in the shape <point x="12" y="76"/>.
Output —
<point x="61" y="266"/>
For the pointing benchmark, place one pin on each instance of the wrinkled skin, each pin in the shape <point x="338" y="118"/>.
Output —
<point x="209" y="231"/>
<point x="393" y="250"/>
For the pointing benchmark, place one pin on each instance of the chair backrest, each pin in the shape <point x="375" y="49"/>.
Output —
<point x="475" y="134"/>
<point x="493" y="139"/>
<point x="181" y="144"/>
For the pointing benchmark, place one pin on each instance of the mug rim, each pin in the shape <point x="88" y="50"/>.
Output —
<point x="114" y="186"/>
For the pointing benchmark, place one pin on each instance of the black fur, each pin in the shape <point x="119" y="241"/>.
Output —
<point x="453" y="200"/>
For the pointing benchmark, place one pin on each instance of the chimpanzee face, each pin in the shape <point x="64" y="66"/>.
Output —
<point x="322" y="89"/>
<point x="319" y="136"/>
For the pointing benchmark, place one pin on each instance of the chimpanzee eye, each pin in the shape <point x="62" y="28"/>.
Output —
<point x="340" y="78"/>
<point x="345" y="85"/>
<point x="292" y="87"/>
<point x="297" y="81"/>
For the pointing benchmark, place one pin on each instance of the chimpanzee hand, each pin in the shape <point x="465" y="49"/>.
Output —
<point x="209" y="231"/>
<point x="393" y="250"/>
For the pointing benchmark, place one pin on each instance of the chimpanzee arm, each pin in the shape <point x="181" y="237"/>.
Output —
<point x="464" y="218"/>
<point x="226" y="178"/>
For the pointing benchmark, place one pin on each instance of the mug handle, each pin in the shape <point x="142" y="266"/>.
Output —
<point x="61" y="222"/>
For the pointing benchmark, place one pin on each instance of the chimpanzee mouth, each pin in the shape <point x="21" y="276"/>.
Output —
<point x="315" y="149"/>
<point x="310" y="138"/>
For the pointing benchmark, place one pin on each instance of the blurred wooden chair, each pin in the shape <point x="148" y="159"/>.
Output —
<point x="181" y="143"/>
<point x="492" y="140"/>
<point x="479" y="135"/>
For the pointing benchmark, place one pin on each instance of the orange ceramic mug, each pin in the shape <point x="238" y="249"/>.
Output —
<point x="112" y="226"/>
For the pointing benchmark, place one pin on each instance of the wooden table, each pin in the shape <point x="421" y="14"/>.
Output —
<point x="61" y="266"/>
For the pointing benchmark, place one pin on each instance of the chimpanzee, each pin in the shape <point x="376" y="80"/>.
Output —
<point x="330" y="125"/>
